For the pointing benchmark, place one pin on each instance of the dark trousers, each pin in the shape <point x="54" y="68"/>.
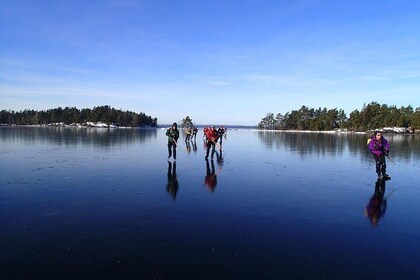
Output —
<point x="212" y="145"/>
<point x="380" y="164"/>
<point x="171" y="146"/>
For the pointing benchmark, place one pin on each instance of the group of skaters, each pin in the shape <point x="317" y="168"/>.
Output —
<point x="211" y="136"/>
<point x="191" y="133"/>
<point x="377" y="144"/>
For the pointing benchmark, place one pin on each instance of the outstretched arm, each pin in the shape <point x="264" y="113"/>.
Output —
<point x="386" y="147"/>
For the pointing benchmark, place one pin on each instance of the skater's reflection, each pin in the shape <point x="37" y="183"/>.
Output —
<point x="376" y="207"/>
<point x="219" y="158"/>
<point x="188" y="146"/>
<point x="172" y="186"/>
<point x="194" y="145"/>
<point x="211" y="178"/>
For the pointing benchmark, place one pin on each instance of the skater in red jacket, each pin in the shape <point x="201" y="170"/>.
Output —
<point x="212" y="136"/>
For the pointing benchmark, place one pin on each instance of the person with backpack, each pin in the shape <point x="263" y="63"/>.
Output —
<point x="189" y="134"/>
<point x="173" y="135"/>
<point x="379" y="147"/>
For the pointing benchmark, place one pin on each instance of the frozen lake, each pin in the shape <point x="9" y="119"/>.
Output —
<point x="97" y="203"/>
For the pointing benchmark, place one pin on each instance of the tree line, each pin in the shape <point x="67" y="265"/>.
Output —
<point x="187" y="122"/>
<point x="372" y="116"/>
<point x="72" y="115"/>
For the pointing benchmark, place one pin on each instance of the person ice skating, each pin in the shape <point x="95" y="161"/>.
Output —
<point x="212" y="136"/>
<point x="189" y="133"/>
<point x="172" y="186"/>
<point x="376" y="207"/>
<point x="173" y="135"/>
<point x="221" y="132"/>
<point x="379" y="147"/>
<point x="205" y="133"/>
<point x="194" y="132"/>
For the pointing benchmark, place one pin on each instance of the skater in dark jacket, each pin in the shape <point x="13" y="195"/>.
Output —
<point x="379" y="147"/>
<point x="221" y="132"/>
<point x="194" y="132"/>
<point x="173" y="135"/>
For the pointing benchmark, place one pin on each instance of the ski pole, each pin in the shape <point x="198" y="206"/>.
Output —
<point x="177" y="145"/>
<point x="386" y="197"/>
<point x="390" y="159"/>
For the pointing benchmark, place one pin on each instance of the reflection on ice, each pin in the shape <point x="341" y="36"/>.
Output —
<point x="286" y="203"/>
<point x="211" y="178"/>
<point x="172" y="185"/>
<point x="376" y="207"/>
<point x="76" y="136"/>
<point x="403" y="146"/>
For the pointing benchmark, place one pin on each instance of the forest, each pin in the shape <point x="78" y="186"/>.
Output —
<point x="371" y="116"/>
<point x="72" y="115"/>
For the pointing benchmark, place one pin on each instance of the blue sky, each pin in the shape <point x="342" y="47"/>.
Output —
<point x="220" y="62"/>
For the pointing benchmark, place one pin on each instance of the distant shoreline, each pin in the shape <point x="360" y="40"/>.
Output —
<point x="101" y="125"/>
<point x="397" y="130"/>
<point x="343" y="131"/>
